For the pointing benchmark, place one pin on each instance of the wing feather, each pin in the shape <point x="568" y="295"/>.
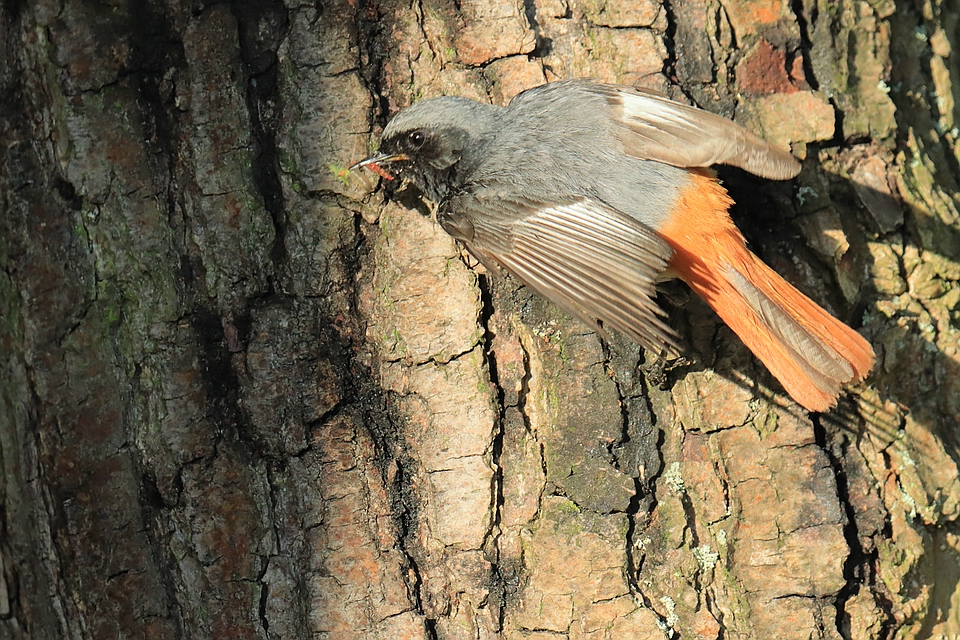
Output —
<point x="657" y="128"/>
<point x="596" y="263"/>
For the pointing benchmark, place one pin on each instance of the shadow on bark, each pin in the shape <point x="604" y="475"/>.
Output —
<point x="245" y="397"/>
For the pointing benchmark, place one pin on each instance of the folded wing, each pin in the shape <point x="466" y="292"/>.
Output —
<point x="589" y="259"/>
<point x="657" y="128"/>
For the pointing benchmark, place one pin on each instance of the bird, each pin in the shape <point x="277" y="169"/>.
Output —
<point x="592" y="193"/>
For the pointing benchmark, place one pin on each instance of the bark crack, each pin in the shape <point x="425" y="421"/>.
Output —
<point x="491" y="539"/>
<point x="859" y="567"/>
<point x="261" y="27"/>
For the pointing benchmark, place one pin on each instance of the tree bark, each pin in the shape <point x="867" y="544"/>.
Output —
<point x="246" y="394"/>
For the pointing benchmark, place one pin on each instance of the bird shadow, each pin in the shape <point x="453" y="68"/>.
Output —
<point x="912" y="376"/>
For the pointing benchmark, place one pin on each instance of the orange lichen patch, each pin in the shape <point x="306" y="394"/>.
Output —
<point x="750" y="16"/>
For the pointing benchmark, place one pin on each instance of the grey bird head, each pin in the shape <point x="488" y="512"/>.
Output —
<point x="426" y="142"/>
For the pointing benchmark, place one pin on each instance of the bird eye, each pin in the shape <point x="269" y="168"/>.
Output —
<point x="416" y="138"/>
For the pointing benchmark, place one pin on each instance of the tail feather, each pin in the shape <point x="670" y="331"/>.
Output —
<point x="809" y="351"/>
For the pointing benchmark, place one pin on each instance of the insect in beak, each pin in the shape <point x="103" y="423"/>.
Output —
<point x="374" y="162"/>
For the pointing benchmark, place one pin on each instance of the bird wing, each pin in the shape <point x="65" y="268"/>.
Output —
<point x="657" y="128"/>
<point x="591" y="260"/>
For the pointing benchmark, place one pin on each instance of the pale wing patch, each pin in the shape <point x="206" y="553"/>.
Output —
<point x="657" y="128"/>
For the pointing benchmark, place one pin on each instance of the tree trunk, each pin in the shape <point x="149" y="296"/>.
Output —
<point x="247" y="395"/>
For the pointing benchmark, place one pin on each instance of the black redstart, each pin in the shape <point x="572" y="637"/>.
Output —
<point x="590" y="193"/>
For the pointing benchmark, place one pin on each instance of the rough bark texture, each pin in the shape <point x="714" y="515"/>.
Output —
<point x="244" y="395"/>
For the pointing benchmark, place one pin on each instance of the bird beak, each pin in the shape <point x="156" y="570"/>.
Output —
<point x="378" y="159"/>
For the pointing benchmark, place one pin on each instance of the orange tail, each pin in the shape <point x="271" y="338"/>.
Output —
<point x="809" y="351"/>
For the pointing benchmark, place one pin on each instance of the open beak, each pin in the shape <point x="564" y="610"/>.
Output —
<point x="373" y="163"/>
<point x="378" y="159"/>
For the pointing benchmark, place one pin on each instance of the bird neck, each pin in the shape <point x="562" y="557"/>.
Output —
<point x="440" y="184"/>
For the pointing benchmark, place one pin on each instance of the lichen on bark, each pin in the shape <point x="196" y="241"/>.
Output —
<point x="247" y="394"/>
